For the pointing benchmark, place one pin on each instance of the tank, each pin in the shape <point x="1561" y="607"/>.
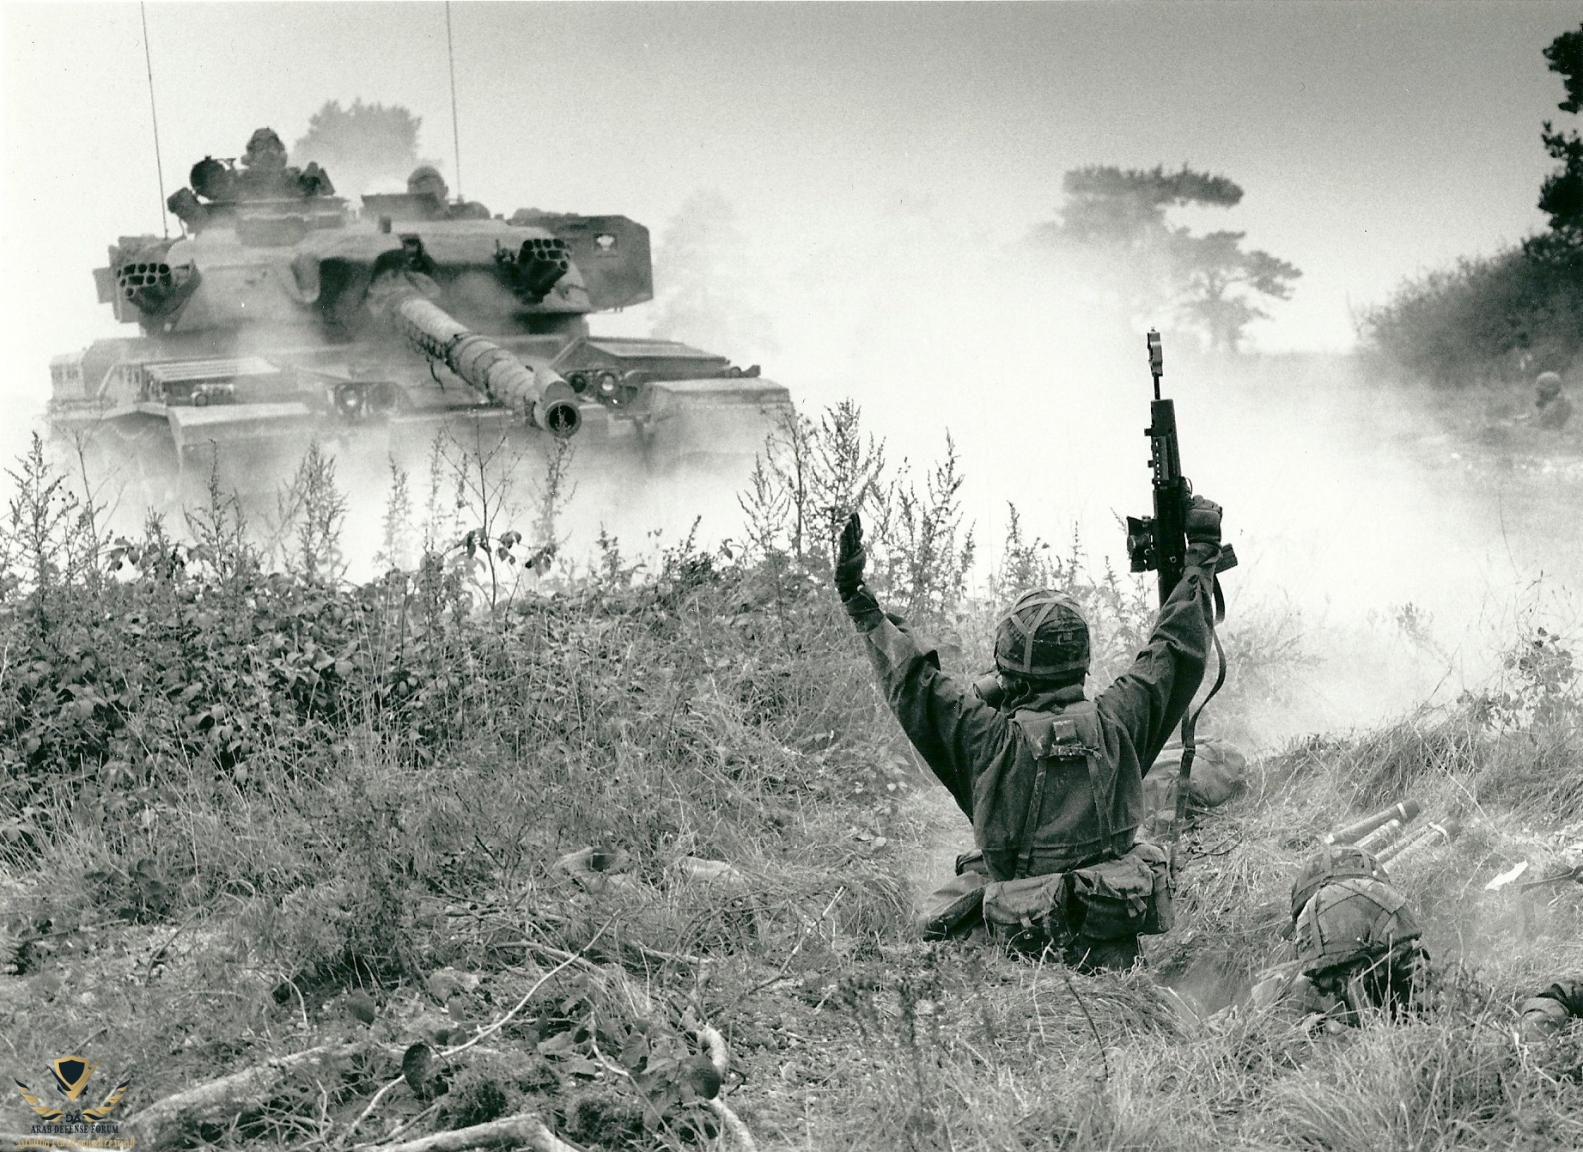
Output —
<point x="283" y="314"/>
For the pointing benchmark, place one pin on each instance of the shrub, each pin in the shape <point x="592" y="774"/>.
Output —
<point x="1495" y="318"/>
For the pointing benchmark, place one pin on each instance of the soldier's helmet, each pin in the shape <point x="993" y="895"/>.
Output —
<point x="1332" y="863"/>
<point x="1043" y="636"/>
<point x="427" y="181"/>
<point x="265" y="151"/>
<point x="1358" y="940"/>
<point x="1548" y="385"/>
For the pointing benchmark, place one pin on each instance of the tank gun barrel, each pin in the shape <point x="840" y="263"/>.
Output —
<point x="546" y="399"/>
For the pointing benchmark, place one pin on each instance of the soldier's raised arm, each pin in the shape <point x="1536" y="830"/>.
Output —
<point x="952" y="728"/>
<point x="1151" y="696"/>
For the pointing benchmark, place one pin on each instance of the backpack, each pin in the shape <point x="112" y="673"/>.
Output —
<point x="1113" y="899"/>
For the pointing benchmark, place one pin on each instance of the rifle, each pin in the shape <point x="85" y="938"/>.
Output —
<point x="1158" y="543"/>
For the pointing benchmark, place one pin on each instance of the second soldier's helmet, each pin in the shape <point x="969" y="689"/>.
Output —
<point x="1358" y="940"/>
<point x="1043" y="636"/>
<point x="1332" y="863"/>
<point x="1347" y="921"/>
<point x="1549" y="385"/>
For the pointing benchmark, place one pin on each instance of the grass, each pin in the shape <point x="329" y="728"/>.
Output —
<point x="241" y="793"/>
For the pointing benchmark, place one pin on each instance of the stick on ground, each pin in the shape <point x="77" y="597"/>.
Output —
<point x="219" y="1101"/>
<point x="525" y="1130"/>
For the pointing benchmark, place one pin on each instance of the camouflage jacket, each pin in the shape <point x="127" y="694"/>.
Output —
<point x="1554" y="414"/>
<point x="983" y="757"/>
<point x="1552" y="1010"/>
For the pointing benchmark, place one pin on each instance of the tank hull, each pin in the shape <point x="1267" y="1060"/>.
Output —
<point x="243" y="425"/>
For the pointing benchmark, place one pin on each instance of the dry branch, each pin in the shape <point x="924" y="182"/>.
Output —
<point x="219" y="1101"/>
<point x="720" y="1057"/>
<point x="531" y="992"/>
<point x="732" y="1123"/>
<point x="522" y="1130"/>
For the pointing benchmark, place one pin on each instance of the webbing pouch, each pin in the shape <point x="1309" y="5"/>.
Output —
<point x="1130" y="896"/>
<point x="1030" y="912"/>
<point x="954" y="909"/>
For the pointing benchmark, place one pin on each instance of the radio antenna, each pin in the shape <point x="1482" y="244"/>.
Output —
<point x="456" y="138"/>
<point x="153" y="110"/>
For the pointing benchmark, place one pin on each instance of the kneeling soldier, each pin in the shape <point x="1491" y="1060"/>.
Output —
<point x="1052" y="781"/>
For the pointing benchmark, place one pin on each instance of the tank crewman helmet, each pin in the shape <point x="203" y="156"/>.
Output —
<point x="427" y="181"/>
<point x="1044" y="636"/>
<point x="265" y="151"/>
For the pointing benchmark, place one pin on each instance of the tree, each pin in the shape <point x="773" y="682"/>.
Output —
<point x="1520" y="311"/>
<point x="1561" y="194"/>
<point x="362" y="145"/>
<point x="1217" y="277"/>
<point x="1118" y="216"/>
<point x="1126" y="207"/>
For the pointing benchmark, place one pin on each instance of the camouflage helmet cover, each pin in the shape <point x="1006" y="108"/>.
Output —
<point x="1332" y="863"/>
<point x="1044" y="635"/>
<point x="1351" y="921"/>
<point x="1549" y="385"/>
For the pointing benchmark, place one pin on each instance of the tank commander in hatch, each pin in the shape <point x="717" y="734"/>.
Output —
<point x="427" y="182"/>
<point x="264" y="175"/>
<point x="1052" y="781"/>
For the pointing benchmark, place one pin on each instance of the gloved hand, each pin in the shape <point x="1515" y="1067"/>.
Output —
<point x="1203" y="521"/>
<point x="1203" y="531"/>
<point x="850" y="559"/>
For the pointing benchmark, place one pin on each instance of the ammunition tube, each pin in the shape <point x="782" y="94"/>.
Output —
<point x="1385" y="834"/>
<point x="1430" y="836"/>
<point x="1405" y="813"/>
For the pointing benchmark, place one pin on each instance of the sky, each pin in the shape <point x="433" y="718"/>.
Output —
<point x="1373" y="141"/>
<point x="883" y="162"/>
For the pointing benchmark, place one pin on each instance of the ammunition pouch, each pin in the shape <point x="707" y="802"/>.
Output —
<point x="1030" y="913"/>
<point x="1113" y="900"/>
<point x="956" y="908"/>
<point x="1130" y="896"/>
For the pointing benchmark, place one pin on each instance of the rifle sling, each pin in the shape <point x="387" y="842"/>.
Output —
<point x="1189" y="728"/>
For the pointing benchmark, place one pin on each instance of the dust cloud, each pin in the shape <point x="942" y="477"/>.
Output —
<point x="1407" y="562"/>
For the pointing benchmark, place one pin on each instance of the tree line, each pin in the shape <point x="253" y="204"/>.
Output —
<point x="1520" y="311"/>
